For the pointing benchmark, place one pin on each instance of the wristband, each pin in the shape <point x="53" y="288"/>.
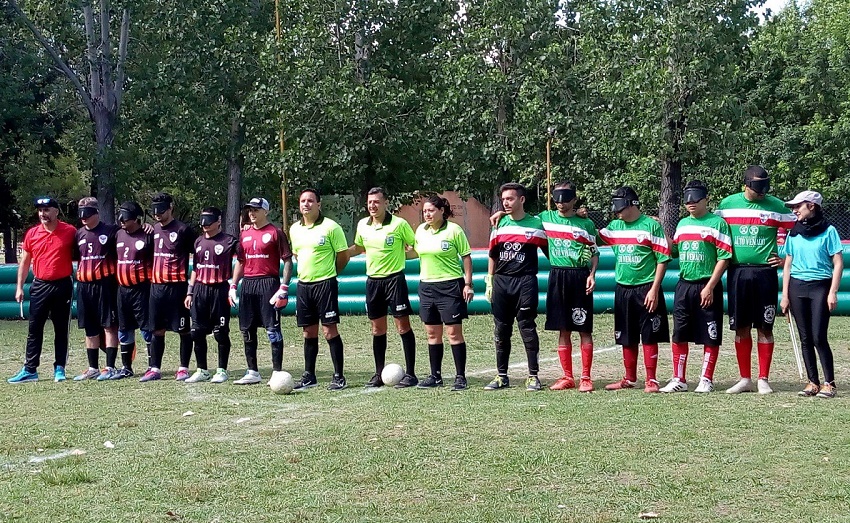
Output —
<point x="190" y="290"/>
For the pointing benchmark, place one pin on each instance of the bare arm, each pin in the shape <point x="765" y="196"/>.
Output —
<point x="287" y="272"/>
<point x="786" y="280"/>
<point x="238" y="271"/>
<point x="188" y="301"/>
<point x="341" y="261"/>
<point x="354" y="250"/>
<point x="23" y="272"/>
<point x="654" y="294"/>
<point x="468" y="291"/>
<point x="837" y="269"/>
<point x="590" y="285"/>
<point x="707" y="293"/>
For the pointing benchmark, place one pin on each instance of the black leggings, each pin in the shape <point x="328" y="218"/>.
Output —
<point x="808" y="305"/>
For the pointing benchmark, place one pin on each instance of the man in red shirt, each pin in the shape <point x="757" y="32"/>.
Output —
<point x="48" y="247"/>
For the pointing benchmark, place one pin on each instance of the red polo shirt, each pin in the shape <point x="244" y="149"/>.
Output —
<point x="51" y="251"/>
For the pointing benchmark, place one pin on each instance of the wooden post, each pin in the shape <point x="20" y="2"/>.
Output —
<point x="283" y="210"/>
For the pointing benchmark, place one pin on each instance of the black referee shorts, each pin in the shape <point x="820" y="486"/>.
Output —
<point x="692" y="323"/>
<point x="167" y="310"/>
<point x="317" y="302"/>
<point x="210" y="307"/>
<point x="632" y="322"/>
<point x="133" y="306"/>
<point x="386" y="293"/>
<point x="441" y="302"/>
<point x="568" y="306"/>
<point x="753" y="290"/>
<point x="97" y="302"/>
<point x="254" y="307"/>
<point x="514" y="297"/>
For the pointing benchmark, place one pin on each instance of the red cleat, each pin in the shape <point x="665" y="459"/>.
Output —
<point x="622" y="384"/>
<point x="563" y="383"/>
<point x="651" y="386"/>
<point x="585" y="385"/>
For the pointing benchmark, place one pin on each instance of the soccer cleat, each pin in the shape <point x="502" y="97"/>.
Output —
<point x="90" y="374"/>
<point x="811" y="389"/>
<point x="764" y="387"/>
<point x="199" y="376"/>
<point x="585" y="385"/>
<point x="651" y="386"/>
<point x="431" y="382"/>
<point x="151" y="375"/>
<point x="499" y="382"/>
<point x="622" y="384"/>
<point x="307" y="381"/>
<point x="827" y="390"/>
<point x="251" y="377"/>
<point x="124" y="372"/>
<point x="705" y="386"/>
<point x="674" y="385"/>
<point x="220" y="376"/>
<point x="337" y="383"/>
<point x="744" y="385"/>
<point x="107" y="374"/>
<point x="460" y="383"/>
<point x="181" y="375"/>
<point x="409" y="380"/>
<point x="24" y="376"/>
<point x="59" y="374"/>
<point x="375" y="382"/>
<point x="532" y="384"/>
<point x="563" y="383"/>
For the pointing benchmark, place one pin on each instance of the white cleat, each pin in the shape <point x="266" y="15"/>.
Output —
<point x="199" y="376"/>
<point x="705" y="386"/>
<point x="764" y="387"/>
<point x="674" y="385"/>
<point x="250" y="378"/>
<point x="220" y="376"/>
<point x="745" y="385"/>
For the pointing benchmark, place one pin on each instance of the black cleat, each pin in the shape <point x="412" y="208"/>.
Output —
<point x="337" y="383"/>
<point x="307" y="381"/>
<point x="431" y="382"/>
<point x="122" y="373"/>
<point x="375" y="382"/>
<point x="460" y="383"/>
<point x="409" y="380"/>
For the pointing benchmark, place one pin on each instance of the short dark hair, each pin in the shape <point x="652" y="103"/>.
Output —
<point x="512" y="186"/>
<point x="314" y="191"/>
<point x="566" y="184"/>
<point x="215" y="211"/>
<point x="163" y="197"/>
<point x="696" y="184"/>
<point x="440" y="203"/>
<point x="755" y="171"/>
<point x="377" y="190"/>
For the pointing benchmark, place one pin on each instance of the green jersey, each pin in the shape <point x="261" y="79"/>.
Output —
<point x="315" y="247"/>
<point x="572" y="240"/>
<point x="440" y="251"/>
<point x="699" y="243"/>
<point x="638" y="247"/>
<point x="384" y="244"/>
<point x="753" y="226"/>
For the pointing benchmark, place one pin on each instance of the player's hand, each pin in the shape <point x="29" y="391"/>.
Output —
<point x="785" y="304"/>
<point x="468" y="293"/>
<point x="188" y="302"/>
<point x="19" y="295"/>
<point x="706" y="297"/>
<point x="651" y="300"/>
<point x="488" y="287"/>
<point x="494" y="219"/>
<point x="590" y="285"/>
<point x="148" y="228"/>
<point x="246" y="226"/>
<point x="832" y="301"/>
<point x="775" y="261"/>
<point x="280" y="298"/>
<point x="231" y="296"/>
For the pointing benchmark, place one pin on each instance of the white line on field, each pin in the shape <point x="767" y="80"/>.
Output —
<point x="523" y="364"/>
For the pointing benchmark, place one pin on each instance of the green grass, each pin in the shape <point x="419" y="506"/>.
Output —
<point x="421" y="455"/>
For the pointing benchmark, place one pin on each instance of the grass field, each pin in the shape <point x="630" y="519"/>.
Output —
<point x="246" y="454"/>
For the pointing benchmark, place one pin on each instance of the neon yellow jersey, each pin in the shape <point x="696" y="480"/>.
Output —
<point x="315" y="247"/>
<point x="440" y="251"/>
<point x="384" y="243"/>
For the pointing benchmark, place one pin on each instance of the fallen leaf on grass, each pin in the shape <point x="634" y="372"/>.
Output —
<point x="172" y="515"/>
<point x="188" y="413"/>
<point x="648" y="515"/>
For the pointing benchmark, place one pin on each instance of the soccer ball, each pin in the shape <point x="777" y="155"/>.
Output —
<point x="392" y="374"/>
<point x="281" y="382"/>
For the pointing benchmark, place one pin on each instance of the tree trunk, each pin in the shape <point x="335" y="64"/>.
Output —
<point x="9" y="245"/>
<point x="670" y="198"/>
<point x="104" y="174"/>
<point x="235" y="163"/>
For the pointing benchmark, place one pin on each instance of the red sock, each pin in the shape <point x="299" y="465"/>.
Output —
<point x="630" y="358"/>
<point x="565" y="354"/>
<point x="586" y="359"/>
<point x="680" y="359"/>
<point x="650" y="359"/>
<point x="744" y="353"/>
<point x="765" y="354"/>
<point x="709" y="361"/>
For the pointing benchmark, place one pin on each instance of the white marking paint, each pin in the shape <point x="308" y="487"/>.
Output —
<point x="59" y="455"/>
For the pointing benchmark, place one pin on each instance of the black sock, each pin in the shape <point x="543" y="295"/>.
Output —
<point x="311" y="354"/>
<point x="435" y="357"/>
<point x="277" y="355"/>
<point x="92" y="355"/>
<point x="185" y="349"/>
<point x="335" y="345"/>
<point x="201" y="349"/>
<point x="379" y="350"/>
<point x="111" y="356"/>
<point x="408" y="344"/>
<point x="251" y="349"/>
<point x="127" y="355"/>
<point x="157" y="351"/>
<point x="223" y="355"/>
<point x="459" y="355"/>
<point x="533" y="362"/>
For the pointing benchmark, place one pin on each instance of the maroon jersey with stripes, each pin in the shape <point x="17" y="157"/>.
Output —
<point x="172" y="246"/>
<point x="214" y="258"/>
<point x="261" y="250"/>
<point x="96" y="249"/>
<point x="135" y="256"/>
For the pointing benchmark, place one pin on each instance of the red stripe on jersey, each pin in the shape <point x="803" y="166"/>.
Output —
<point x="517" y="238"/>
<point x="708" y="239"/>
<point x="564" y="235"/>
<point x="618" y="240"/>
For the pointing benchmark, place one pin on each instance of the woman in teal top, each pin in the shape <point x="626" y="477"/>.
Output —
<point x="811" y="277"/>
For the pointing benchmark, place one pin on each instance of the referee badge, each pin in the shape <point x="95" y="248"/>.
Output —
<point x="102" y="239"/>
<point x="444" y="245"/>
<point x="390" y="240"/>
<point x="321" y="241"/>
<point x="172" y="236"/>
<point x="219" y="249"/>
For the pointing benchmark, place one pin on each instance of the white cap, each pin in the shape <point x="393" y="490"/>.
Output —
<point x="258" y="203"/>
<point x="806" y="196"/>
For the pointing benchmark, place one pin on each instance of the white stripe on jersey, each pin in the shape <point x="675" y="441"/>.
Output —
<point x="518" y="231"/>
<point x="700" y="230"/>
<point x="633" y="234"/>
<point x="575" y="231"/>
<point x="755" y="213"/>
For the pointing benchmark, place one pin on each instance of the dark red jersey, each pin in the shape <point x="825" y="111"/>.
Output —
<point x="214" y="258"/>
<point x="96" y="249"/>
<point x="261" y="250"/>
<point x="135" y="257"/>
<point x="172" y="246"/>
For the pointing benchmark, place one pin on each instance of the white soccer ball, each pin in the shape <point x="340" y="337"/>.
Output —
<point x="392" y="374"/>
<point x="281" y="382"/>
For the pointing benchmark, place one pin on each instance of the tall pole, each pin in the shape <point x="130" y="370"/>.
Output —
<point x="548" y="173"/>
<point x="281" y="142"/>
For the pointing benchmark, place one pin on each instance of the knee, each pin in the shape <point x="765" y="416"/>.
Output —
<point x="126" y="337"/>
<point x="527" y="329"/>
<point x="502" y="332"/>
<point x="198" y="335"/>
<point x="221" y="335"/>
<point x="249" y="336"/>
<point x="275" y="336"/>
<point x="147" y="336"/>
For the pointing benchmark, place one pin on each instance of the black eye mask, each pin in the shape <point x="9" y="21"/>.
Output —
<point x="160" y="207"/>
<point x="695" y="194"/>
<point x="208" y="219"/>
<point x="759" y="186"/>
<point x="618" y="204"/>
<point x="86" y="212"/>
<point x="563" y="195"/>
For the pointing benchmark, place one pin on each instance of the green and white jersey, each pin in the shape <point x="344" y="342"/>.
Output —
<point x="572" y="240"/>
<point x="699" y="243"/>
<point x="315" y="247"/>
<point x="384" y="243"/>
<point x="440" y="251"/>
<point x="753" y="226"/>
<point x="638" y="247"/>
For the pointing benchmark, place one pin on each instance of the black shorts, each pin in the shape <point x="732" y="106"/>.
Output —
<point x="632" y="322"/>
<point x="692" y="323"/>
<point x="97" y="304"/>
<point x="568" y="306"/>
<point x="254" y="307"/>
<point x="167" y="307"/>
<point x="210" y="307"/>
<point x="317" y="302"/>
<point x="441" y="302"/>
<point x="387" y="293"/>
<point x="514" y="297"/>
<point x="133" y="306"/>
<point x="753" y="290"/>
